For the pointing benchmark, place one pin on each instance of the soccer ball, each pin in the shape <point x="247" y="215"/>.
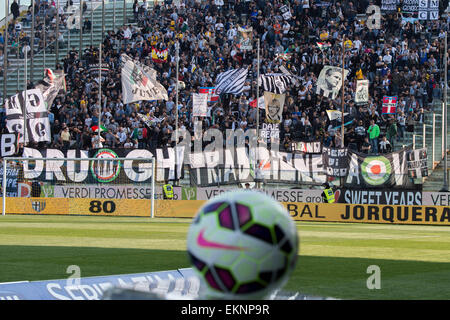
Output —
<point x="242" y="245"/>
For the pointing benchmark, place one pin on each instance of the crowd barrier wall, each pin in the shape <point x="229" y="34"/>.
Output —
<point x="299" y="211"/>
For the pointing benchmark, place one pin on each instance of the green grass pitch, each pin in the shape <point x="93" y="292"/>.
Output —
<point x="414" y="260"/>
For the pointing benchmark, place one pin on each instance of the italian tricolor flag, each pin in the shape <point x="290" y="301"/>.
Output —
<point x="323" y="45"/>
<point x="102" y="128"/>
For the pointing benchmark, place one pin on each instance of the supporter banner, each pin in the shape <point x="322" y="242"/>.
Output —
<point x="149" y="122"/>
<point x="335" y="161"/>
<point x="139" y="82"/>
<point x="90" y="172"/>
<point x="211" y="91"/>
<point x="410" y="6"/>
<point x="362" y="92"/>
<point x="261" y="103"/>
<point x="37" y="125"/>
<point x="329" y="82"/>
<point x="274" y="106"/>
<point x="323" y="46"/>
<point x="436" y="198"/>
<point x="77" y="206"/>
<point x="199" y="104"/>
<point x="428" y="10"/>
<point x="231" y="81"/>
<point x="277" y="83"/>
<point x="269" y="131"/>
<point x="8" y="144"/>
<point x="12" y="173"/>
<point x="273" y="167"/>
<point x="307" y="146"/>
<point x="212" y="167"/>
<point x="418" y="163"/>
<point x="358" y="196"/>
<point x="389" y="5"/>
<point x="389" y="105"/>
<point x="335" y="117"/>
<point x="95" y="68"/>
<point x="50" y="86"/>
<point x="160" y="56"/>
<point x="382" y="171"/>
<point x="420" y="215"/>
<point x="245" y="38"/>
<point x="285" y="12"/>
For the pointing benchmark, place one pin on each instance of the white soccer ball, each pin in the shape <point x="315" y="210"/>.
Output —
<point x="242" y="245"/>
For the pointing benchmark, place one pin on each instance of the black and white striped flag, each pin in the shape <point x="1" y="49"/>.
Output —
<point x="277" y="83"/>
<point x="231" y="81"/>
<point x="37" y="125"/>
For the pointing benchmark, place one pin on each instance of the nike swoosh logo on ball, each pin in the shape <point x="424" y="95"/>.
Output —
<point x="202" y="242"/>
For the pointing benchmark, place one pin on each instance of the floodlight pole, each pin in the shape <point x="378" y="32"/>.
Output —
<point x="57" y="33"/>
<point x="26" y="98"/>
<point x="445" y="119"/>
<point x="343" y="90"/>
<point x="5" y="54"/>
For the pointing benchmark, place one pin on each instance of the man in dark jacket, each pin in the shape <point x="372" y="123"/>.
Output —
<point x="15" y="9"/>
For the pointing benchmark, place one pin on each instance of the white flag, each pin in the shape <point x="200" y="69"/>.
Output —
<point x="139" y="82"/>
<point x="274" y="106"/>
<point x="37" y="125"/>
<point x="362" y="92"/>
<point x="329" y="82"/>
<point x="199" y="104"/>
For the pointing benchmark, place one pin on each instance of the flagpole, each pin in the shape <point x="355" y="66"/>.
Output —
<point x="343" y="90"/>
<point x="25" y="104"/>
<point x="100" y="93"/>
<point x="257" y="107"/>
<point x="92" y="24"/>
<point x="100" y="74"/>
<point x="176" y="111"/>
<point x="45" y="39"/>
<point x="257" y="93"/>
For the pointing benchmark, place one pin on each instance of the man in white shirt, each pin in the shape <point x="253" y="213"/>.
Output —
<point x="231" y="34"/>
<point x="387" y="58"/>
<point x="121" y="135"/>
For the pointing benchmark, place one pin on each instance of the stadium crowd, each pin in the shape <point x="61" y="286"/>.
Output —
<point x="402" y="58"/>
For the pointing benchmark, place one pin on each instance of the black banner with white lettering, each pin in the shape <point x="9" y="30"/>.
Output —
<point x="12" y="175"/>
<point x="410" y="6"/>
<point x="335" y="161"/>
<point x="379" y="171"/>
<point x="389" y="5"/>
